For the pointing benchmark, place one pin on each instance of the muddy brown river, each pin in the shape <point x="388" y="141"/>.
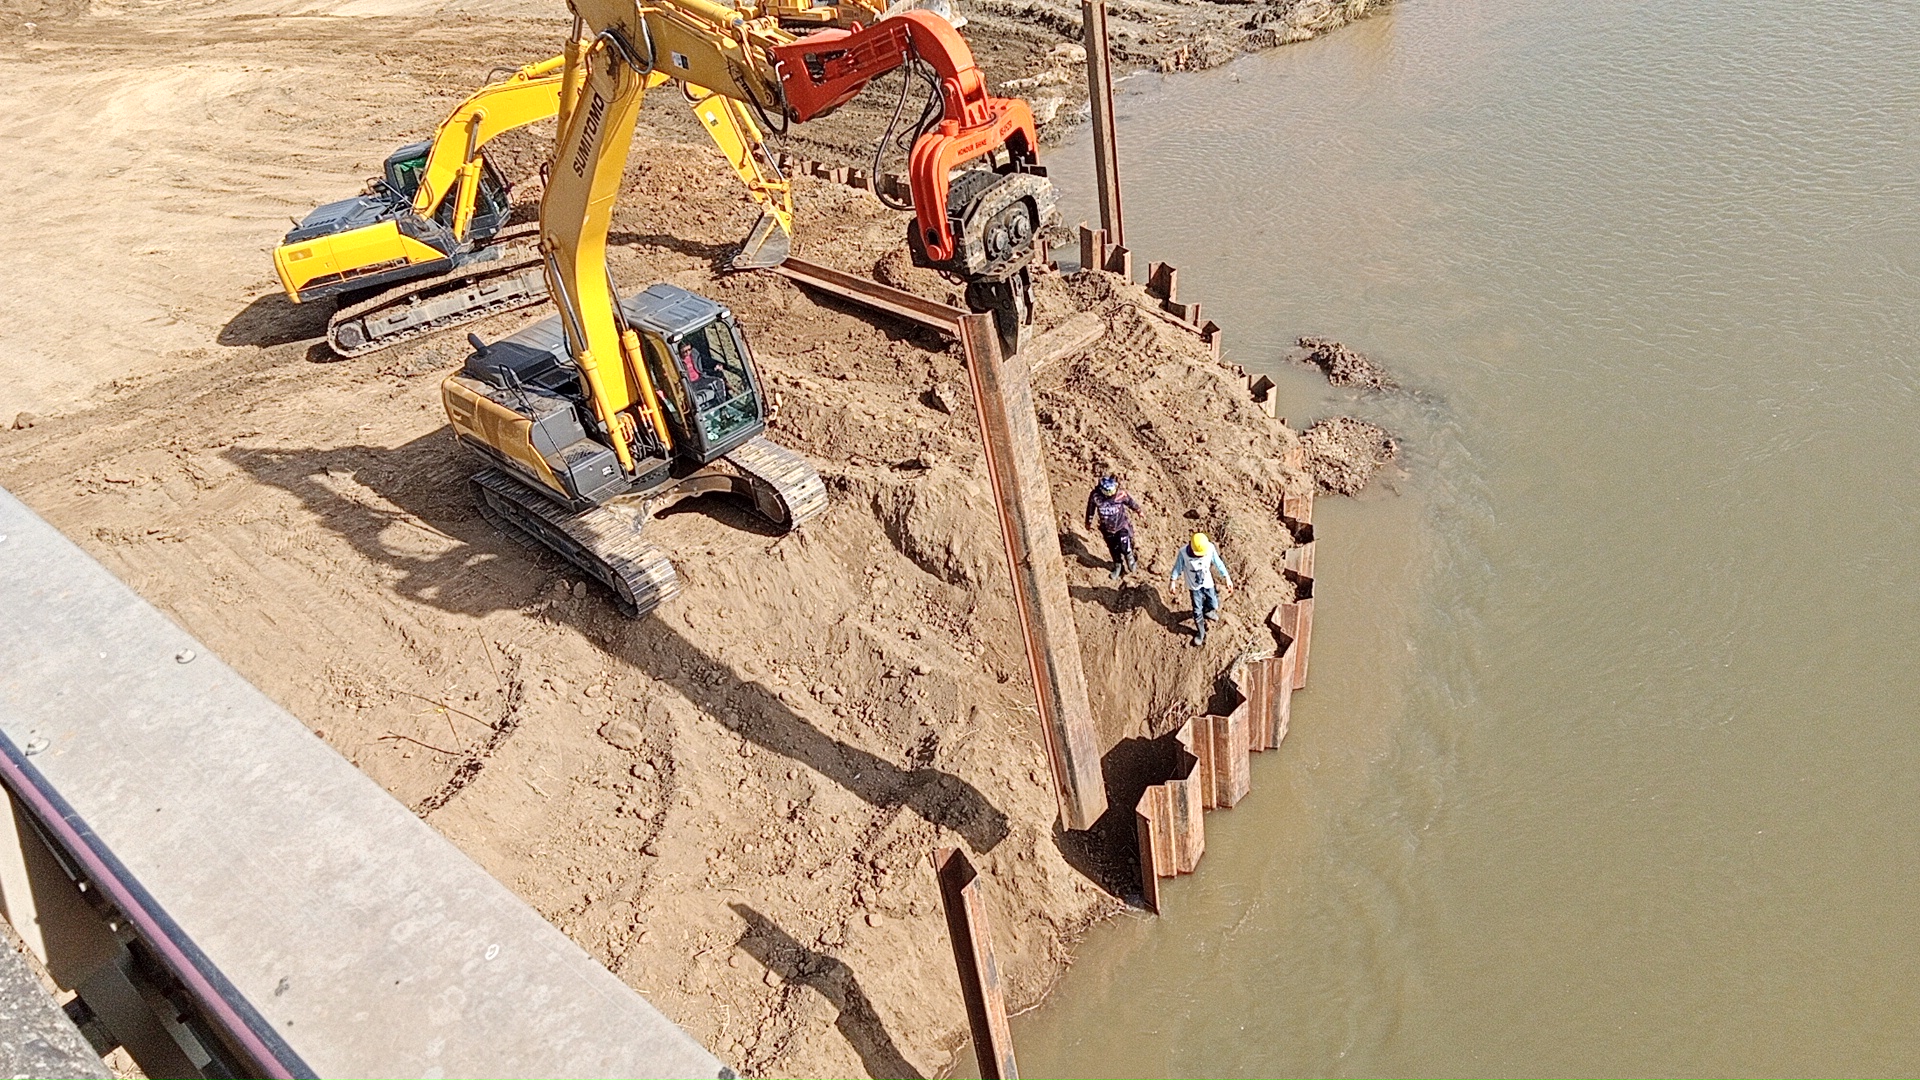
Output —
<point x="1611" y="760"/>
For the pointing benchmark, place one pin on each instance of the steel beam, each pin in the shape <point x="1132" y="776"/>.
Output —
<point x="979" y="970"/>
<point x="1003" y="399"/>
<point x="931" y="314"/>
<point x="1106" y="159"/>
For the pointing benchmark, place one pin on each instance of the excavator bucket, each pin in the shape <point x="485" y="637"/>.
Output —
<point x="766" y="246"/>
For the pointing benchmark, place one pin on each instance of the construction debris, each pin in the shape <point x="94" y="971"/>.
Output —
<point x="1344" y="366"/>
<point x="1343" y="453"/>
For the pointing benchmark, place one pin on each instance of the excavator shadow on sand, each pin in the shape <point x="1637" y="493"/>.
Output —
<point x="359" y="493"/>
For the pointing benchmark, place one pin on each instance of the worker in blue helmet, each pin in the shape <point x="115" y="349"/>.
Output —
<point x="1198" y="564"/>
<point x="1107" y="507"/>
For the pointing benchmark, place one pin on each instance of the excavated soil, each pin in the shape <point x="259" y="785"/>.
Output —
<point x="1344" y="453"/>
<point x="732" y="802"/>
<point x="1343" y="366"/>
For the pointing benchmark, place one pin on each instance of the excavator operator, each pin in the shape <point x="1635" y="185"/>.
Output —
<point x="718" y="379"/>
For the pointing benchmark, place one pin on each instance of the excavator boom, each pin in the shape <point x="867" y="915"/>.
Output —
<point x="453" y="166"/>
<point x="621" y="48"/>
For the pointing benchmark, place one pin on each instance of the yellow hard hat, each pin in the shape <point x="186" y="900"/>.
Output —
<point x="1200" y="544"/>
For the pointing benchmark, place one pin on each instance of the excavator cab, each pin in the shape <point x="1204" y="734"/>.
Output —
<point x="701" y="367"/>
<point x="400" y="174"/>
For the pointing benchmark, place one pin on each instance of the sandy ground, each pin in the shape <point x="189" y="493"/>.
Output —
<point x="169" y="144"/>
<point x="732" y="802"/>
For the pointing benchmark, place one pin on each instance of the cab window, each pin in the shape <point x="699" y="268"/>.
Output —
<point x="672" y="392"/>
<point x="404" y="176"/>
<point x="490" y="199"/>
<point x="715" y="369"/>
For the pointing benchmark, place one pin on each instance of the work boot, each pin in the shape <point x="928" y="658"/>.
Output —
<point x="1116" y="572"/>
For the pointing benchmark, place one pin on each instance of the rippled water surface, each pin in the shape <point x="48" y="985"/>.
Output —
<point x="1611" y="760"/>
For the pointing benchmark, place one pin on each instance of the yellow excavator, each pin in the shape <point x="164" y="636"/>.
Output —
<point x="595" y="419"/>
<point x="427" y="247"/>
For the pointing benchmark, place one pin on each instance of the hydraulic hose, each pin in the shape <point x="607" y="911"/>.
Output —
<point x="929" y="115"/>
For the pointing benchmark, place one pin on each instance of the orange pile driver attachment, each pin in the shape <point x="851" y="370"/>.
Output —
<point x="981" y="225"/>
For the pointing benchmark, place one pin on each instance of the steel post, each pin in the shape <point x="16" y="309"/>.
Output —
<point x="979" y="970"/>
<point x="1106" y="161"/>
<point x="1003" y="399"/>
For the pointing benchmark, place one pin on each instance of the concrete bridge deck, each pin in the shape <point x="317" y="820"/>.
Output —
<point x="359" y="936"/>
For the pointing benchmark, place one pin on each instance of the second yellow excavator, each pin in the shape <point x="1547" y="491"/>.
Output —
<point x="428" y="246"/>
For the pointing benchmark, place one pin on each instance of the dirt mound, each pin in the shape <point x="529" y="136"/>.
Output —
<point x="1343" y="366"/>
<point x="1343" y="453"/>
<point x="896" y="268"/>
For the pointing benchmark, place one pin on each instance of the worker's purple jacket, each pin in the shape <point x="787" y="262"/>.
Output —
<point x="1111" y="513"/>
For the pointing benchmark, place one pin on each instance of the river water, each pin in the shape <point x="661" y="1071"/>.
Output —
<point x="1611" y="759"/>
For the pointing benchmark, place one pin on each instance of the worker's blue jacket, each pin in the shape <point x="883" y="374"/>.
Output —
<point x="1111" y="512"/>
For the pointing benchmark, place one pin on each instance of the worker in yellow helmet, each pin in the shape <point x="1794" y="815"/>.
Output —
<point x="1197" y="564"/>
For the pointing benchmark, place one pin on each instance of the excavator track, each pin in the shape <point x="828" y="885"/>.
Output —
<point x="603" y="541"/>
<point x="414" y="308"/>
<point x="786" y="489"/>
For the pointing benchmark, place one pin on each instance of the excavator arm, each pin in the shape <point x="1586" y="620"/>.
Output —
<point x="772" y="72"/>
<point x="583" y="183"/>
<point x="453" y="165"/>
<point x="825" y="70"/>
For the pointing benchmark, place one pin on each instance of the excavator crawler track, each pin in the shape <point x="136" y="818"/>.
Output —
<point x="786" y="489"/>
<point x="415" y="308"/>
<point x="603" y="541"/>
